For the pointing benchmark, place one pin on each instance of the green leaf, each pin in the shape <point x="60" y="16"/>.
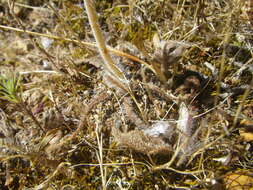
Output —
<point x="10" y="88"/>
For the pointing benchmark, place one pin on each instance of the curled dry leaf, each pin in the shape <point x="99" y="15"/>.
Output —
<point x="246" y="135"/>
<point x="247" y="131"/>
<point x="239" y="181"/>
<point x="9" y="179"/>
<point x="167" y="53"/>
<point x="225" y="160"/>
<point x="52" y="137"/>
<point x="187" y="133"/>
<point x="53" y="144"/>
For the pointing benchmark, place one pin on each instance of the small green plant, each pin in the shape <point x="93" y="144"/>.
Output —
<point x="10" y="88"/>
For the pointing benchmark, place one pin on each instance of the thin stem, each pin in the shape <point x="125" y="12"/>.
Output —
<point x="99" y="154"/>
<point x="93" y="20"/>
<point x="31" y="115"/>
<point x="110" y="66"/>
<point x="115" y="51"/>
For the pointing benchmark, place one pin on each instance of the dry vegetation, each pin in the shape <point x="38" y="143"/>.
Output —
<point x="169" y="106"/>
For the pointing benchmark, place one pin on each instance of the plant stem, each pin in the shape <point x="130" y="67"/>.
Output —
<point x="110" y="66"/>
<point x="93" y="20"/>
<point x="115" y="51"/>
<point x="31" y="115"/>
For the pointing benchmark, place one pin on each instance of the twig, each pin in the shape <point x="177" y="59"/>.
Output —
<point x="110" y="164"/>
<point x="110" y="66"/>
<point x="115" y="51"/>
<point x="93" y="20"/>
<point x="38" y="71"/>
<point x="28" y="111"/>
<point x="99" y="154"/>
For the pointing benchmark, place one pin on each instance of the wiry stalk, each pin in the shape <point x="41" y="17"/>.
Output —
<point x="110" y="66"/>
<point x="93" y="20"/>
<point x="112" y="50"/>
<point x="99" y="154"/>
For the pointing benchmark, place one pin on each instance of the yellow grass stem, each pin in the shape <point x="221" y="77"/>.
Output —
<point x="111" y="49"/>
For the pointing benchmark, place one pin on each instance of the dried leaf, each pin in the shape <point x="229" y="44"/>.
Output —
<point x="187" y="137"/>
<point x="247" y="136"/>
<point x="238" y="181"/>
<point x="185" y="121"/>
<point x="167" y="53"/>
<point x="50" y="137"/>
<point x="247" y="131"/>
<point x="224" y="160"/>
<point x="157" y="42"/>
<point x="9" y="179"/>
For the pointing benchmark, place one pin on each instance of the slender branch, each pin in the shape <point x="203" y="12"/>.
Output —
<point x="93" y="20"/>
<point x="31" y="115"/>
<point x="115" y="51"/>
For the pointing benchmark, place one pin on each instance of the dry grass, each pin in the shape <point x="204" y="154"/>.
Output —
<point x="167" y="107"/>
